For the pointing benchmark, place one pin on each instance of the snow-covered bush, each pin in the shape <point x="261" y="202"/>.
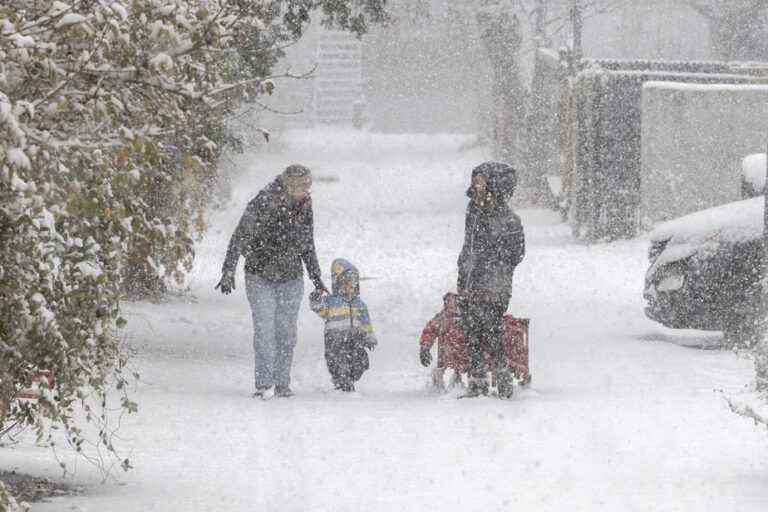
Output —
<point x="8" y="503"/>
<point x="761" y="366"/>
<point x="738" y="29"/>
<point x="112" y="117"/>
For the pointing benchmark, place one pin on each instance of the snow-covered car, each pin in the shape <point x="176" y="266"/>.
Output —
<point x="705" y="270"/>
<point x="753" y="175"/>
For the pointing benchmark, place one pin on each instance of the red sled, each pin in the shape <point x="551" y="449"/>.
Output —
<point x="516" y="347"/>
<point x="40" y="379"/>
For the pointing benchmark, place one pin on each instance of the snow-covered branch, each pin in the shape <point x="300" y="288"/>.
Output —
<point x="113" y="114"/>
<point x="746" y="410"/>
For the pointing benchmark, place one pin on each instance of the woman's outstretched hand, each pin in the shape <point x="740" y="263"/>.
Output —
<point x="227" y="283"/>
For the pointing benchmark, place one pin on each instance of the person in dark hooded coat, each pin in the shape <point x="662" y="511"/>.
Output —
<point x="494" y="244"/>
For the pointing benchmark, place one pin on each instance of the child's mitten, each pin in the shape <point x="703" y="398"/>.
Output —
<point x="425" y="357"/>
<point x="369" y="341"/>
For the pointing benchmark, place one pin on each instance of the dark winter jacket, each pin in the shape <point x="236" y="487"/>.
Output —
<point x="494" y="242"/>
<point x="274" y="236"/>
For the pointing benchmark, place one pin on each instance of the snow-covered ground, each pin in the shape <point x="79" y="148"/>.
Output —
<point x="620" y="415"/>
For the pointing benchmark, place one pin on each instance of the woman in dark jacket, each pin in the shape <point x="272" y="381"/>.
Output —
<point x="494" y="244"/>
<point x="275" y="236"/>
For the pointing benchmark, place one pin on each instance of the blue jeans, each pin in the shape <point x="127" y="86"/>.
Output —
<point x="275" y="311"/>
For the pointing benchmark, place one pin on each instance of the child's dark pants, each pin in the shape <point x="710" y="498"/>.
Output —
<point x="346" y="358"/>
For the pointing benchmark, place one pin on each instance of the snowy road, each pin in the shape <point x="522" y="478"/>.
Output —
<point x="618" y="418"/>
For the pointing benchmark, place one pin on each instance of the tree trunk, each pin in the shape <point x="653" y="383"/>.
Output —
<point x="502" y="38"/>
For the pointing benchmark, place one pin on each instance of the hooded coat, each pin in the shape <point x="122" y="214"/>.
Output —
<point x="494" y="241"/>
<point x="348" y="326"/>
<point x="342" y="315"/>
<point x="275" y="235"/>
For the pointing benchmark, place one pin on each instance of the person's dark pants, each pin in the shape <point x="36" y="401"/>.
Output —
<point x="483" y="327"/>
<point x="346" y="358"/>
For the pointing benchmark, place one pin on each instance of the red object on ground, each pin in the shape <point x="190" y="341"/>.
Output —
<point x="516" y="347"/>
<point x="33" y="391"/>
<point x="451" y="345"/>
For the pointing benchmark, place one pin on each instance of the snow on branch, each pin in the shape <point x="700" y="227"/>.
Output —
<point x="746" y="410"/>
<point x="70" y="19"/>
<point x="113" y="115"/>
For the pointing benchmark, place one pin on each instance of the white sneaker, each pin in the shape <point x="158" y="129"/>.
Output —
<point x="265" y="393"/>
<point x="269" y="393"/>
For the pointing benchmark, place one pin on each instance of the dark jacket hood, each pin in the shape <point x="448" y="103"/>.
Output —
<point x="276" y="187"/>
<point x="503" y="181"/>
<point x="501" y="178"/>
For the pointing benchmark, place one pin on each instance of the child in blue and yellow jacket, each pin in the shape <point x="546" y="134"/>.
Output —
<point x="348" y="329"/>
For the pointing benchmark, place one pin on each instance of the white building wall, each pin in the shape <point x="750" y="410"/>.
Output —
<point x="694" y="138"/>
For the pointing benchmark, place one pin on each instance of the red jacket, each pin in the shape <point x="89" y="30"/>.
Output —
<point x="452" y="346"/>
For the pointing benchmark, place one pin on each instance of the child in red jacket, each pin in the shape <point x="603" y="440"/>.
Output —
<point x="445" y="328"/>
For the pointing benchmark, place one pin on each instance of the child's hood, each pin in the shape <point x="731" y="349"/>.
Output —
<point x="341" y="267"/>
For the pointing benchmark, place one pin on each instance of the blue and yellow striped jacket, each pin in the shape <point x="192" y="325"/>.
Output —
<point x="341" y="315"/>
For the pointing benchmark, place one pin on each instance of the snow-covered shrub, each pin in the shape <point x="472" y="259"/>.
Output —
<point x="112" y="117"/>
<point x="761" y="366"/>
<point x="8" y="502"/>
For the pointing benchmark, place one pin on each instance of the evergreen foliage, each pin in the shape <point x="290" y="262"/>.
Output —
<point x="112" y="118"/>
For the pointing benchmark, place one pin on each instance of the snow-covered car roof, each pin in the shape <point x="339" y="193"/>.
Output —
<point x="736" y="222"/>
<point x="753" y="170"/>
